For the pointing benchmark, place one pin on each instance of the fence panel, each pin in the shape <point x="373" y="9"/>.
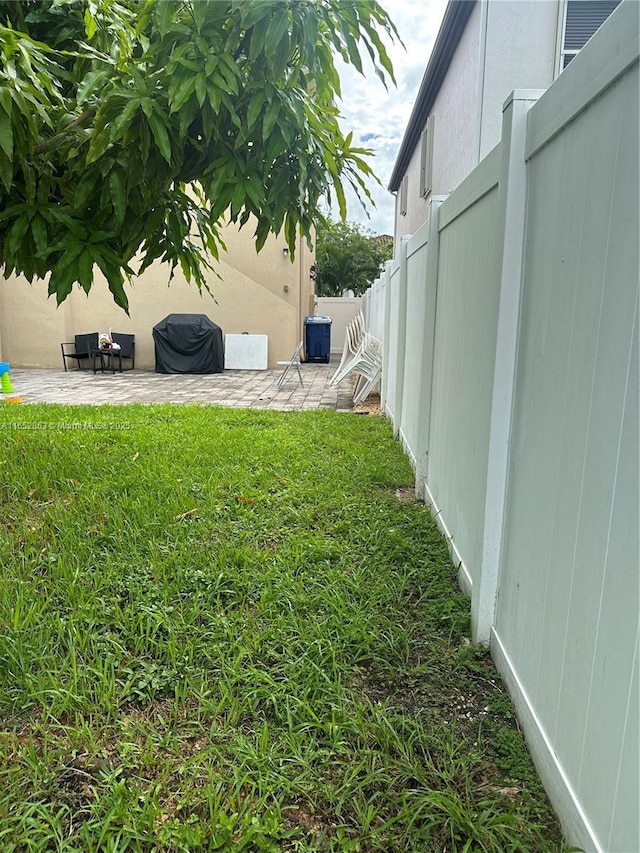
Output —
<point x="566" y="631"/>
<point x="463" y="361"/>
<point x="417" y="290"/>
<point x="394" y="340"/>
<point x="373" y="307"/>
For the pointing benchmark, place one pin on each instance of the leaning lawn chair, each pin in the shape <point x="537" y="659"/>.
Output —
<point x="368" y="368"/>
<point x="83" y="345"/>
<point x="294" y="361"/>
<point x="353" y="340"/>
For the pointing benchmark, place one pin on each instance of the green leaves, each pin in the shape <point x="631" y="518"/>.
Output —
<point x="164" y="14"/>
<point x="100" y="139"/>
<point x="159" y="129"/>
<point x="6" y="133"/>
<point x="277" y="40"/>
<point x="117" y="185"/>
<point x="110" y="110"/>
<point x="6" y="148"/>
<point x="348" y="257"/>
<point x="93" y="81"/>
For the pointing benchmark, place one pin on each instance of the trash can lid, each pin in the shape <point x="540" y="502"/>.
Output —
<point x="318" y="318"/>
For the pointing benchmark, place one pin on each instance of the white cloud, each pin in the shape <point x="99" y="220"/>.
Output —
<point x="378" y="118"/>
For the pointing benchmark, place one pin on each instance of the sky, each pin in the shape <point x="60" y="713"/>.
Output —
<point x="378" y="118"/>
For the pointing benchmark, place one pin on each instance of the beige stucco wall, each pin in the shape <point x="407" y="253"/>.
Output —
<point x="260" y="293"/>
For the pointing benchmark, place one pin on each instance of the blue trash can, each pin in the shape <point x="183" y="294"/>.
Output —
<point x="317" y="339"/>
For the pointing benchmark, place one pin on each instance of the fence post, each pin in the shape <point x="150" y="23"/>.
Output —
<point x="366" y="307"/>
<point x="384" y="305"/>
<point x="513" y="190"/>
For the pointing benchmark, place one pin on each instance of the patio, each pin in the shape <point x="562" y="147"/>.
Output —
<point x="233" y="388"/>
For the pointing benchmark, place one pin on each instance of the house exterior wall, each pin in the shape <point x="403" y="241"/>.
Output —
<point x="455" y="113"/>
<point x="519" y="53"/>
<point x="457" y="110"/>
<point x="31" y="329"/>
<point x="506" y="45"/>
<point x="261" y="293"/>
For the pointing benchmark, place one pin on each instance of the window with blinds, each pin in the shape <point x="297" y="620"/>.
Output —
<point x="582" y="19"/>
<point x="404" y="195"/>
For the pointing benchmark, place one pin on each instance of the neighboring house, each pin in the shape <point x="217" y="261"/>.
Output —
<point x="261" y="293"/>
<point x="382" y="240"/>
<point x="484" y="50"/>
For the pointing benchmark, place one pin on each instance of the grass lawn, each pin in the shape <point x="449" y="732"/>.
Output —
<point x="227" y="630"/>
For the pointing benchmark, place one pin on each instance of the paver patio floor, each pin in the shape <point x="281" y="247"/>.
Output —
<point x="234" y="388"/>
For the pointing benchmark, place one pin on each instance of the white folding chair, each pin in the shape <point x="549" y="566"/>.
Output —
<point x="294" y="361"/>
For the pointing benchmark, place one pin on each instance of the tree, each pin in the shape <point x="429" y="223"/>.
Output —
<point x="131" y="129"/>
<point x="348" y="257"/>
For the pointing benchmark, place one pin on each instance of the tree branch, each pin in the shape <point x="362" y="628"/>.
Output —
<point x="86" y="116"/>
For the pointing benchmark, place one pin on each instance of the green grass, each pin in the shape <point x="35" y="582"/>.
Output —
<point x="222" y="630"/>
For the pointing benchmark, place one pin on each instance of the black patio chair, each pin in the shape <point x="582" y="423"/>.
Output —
<point x="83" y="345"/>
<point x="112" y="359"/>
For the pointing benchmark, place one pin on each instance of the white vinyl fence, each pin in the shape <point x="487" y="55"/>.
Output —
<point x="510" y="329"/>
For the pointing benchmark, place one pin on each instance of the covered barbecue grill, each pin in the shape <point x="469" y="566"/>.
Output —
<point x="188" y="343"/>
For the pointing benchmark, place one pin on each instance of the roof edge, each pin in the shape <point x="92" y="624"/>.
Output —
<point x="454" y="21"/>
